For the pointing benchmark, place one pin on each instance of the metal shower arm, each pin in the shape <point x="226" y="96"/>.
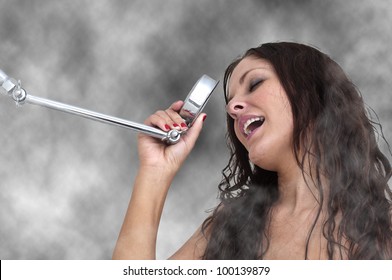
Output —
<point x="13" y="88"/>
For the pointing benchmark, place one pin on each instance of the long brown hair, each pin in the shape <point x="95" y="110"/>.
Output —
<point x="338" y="136"/>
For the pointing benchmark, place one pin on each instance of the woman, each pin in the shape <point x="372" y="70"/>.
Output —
<point x="305" y="180"/>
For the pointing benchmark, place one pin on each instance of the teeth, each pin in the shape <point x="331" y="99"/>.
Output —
<point x="246" y="129"/>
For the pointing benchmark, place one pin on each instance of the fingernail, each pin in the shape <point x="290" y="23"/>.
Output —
<point x="184" y="125"/>
<point x="167" y="127"/>
<point x="175" y="125"/>
<point x="204" y="118"/>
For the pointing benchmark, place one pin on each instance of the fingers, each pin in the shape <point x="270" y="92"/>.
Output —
<point x="176" y="106"/>
<point x="193" y="133"/>
<point x="168" y="119"/>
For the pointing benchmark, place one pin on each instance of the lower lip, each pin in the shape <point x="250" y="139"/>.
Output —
<point x="253" y="132"/>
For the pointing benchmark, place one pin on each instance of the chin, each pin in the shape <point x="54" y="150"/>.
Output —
<point x="266" y="167"/>
<point x="263" y="160"/>
<point x="258" y="161"/>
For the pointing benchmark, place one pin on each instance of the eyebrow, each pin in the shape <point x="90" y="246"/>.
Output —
<point x="242" y="79"/>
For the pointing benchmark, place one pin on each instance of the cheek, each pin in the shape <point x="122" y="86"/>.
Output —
<point x="282" y="116"/>
<point x="286" y="120"/>
<point x="284" y="131"/>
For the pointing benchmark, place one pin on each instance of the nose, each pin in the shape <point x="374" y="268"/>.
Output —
<point x="235" y="107"/>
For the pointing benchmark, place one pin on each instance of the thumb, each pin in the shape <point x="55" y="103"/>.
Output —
<point x="193" y="133"/>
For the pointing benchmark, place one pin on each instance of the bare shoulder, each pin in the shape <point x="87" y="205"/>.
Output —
<point x="193" y="249"/>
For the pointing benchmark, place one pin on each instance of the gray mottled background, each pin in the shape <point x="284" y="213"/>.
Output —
<point x="66" y="181"/>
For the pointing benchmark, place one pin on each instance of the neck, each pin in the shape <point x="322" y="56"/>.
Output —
<point x="298" y="192"/>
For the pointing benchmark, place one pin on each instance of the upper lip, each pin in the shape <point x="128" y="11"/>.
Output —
<point x="246" y="120"/>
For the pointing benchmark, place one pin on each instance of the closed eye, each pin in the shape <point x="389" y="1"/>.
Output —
<point x="254" y="84"/>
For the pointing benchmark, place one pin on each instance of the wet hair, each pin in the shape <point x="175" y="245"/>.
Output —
<point x="334" y="132"/>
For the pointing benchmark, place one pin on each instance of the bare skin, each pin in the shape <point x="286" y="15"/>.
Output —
<point x="269" y="147"/>
<point x="158" y="165"/>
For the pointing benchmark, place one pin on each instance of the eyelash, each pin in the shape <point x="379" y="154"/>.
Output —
<point x="254" y="84"/>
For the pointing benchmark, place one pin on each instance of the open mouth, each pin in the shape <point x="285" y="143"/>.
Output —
<point x="252" y="124"/>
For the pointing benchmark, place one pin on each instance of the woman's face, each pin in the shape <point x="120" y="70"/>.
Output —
<point x="263" y="121"/>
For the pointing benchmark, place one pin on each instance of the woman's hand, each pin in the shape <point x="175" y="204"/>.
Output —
<point x="155" y="153"/>
<point x="159" y="163"/>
